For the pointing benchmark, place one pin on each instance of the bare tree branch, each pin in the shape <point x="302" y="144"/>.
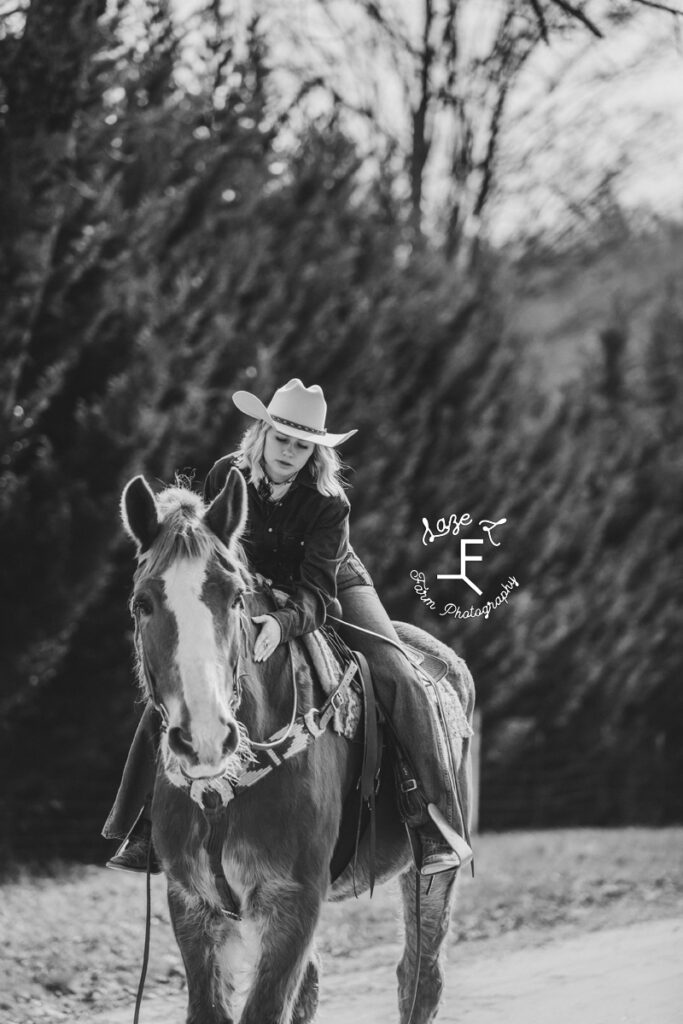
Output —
<point x="396" y="34"/>
<point x="451" y="47"/>
<point x="540" y="18"/>
<point x="660" y="7"/>
<point x="319" y="82"/>
<point x="421" y="140"/>
<point x="510" y="54"/>
<point x="576" y="12"/>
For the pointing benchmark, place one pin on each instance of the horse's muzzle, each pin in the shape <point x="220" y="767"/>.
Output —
<point x="204" y="757"/>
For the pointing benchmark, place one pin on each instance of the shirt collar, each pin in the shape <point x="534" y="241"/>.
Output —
<point x="304" y="478"/>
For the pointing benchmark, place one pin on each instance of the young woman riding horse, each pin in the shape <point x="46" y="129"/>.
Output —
<point x="298" y="538"/>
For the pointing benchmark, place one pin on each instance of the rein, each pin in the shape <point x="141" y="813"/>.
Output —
<point x="276" y="739"/>
<point x="286" y="742"/>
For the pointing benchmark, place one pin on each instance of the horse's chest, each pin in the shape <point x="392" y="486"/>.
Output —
<point x="195" y="877"/>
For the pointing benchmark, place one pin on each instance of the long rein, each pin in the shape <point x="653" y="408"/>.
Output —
<point x="211" y="813"/>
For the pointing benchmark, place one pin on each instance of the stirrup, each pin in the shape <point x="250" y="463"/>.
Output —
<point x="437" y="857"/>
<point x="459" y="845"/>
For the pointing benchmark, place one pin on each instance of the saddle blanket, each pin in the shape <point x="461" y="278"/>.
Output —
<point x="329" y="667"/>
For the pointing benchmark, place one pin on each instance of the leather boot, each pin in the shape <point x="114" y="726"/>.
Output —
<point x="136" y="848"/>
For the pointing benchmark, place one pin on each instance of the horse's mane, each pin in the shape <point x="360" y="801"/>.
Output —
<point x="185" y="535"/>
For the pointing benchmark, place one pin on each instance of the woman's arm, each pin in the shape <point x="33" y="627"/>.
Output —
<point x="325" y="545"/>
<point x="326" y="542"/>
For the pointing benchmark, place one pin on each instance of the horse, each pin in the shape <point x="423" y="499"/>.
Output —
<point x="192" y="602"/>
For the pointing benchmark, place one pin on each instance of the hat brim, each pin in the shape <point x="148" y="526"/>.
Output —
<point x="252" y="406"/>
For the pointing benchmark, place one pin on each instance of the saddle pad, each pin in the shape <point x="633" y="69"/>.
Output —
<point x="347" y="719"/>
<point x="456" y="719"/>
<point x="329" y="671"/>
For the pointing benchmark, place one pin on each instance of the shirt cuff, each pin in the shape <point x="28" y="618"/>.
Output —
<point x="287" y="621"/>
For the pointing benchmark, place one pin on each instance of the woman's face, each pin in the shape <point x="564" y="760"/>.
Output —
<point x="283" y="456"/>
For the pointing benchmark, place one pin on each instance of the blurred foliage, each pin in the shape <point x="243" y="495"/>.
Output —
<point x="181" y="243"/>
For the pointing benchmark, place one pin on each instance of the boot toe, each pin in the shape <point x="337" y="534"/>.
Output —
<point x="435" y="863"/>
<point x="133" y="857"/>
<point x="437" y="856"/>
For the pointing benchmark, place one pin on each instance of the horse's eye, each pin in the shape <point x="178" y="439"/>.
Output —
<point x="238" y="601"/>
<point x="141" y="605"/>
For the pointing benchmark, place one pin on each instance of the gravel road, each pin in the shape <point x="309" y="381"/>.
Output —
<point x="631" y="975"/>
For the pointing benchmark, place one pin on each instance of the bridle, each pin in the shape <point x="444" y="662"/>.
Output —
<point x="148" y="675"/>
<point x="279" y="737"/>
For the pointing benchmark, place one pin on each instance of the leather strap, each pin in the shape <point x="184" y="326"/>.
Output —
<point x="148" y="933"/>
<point x="215" y="815"/>
<point x="370" y="766"/>
<point x="432" y="666"/>
<point x="307" y="727"/>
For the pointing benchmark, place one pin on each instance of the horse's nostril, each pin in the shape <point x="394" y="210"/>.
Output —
<point x="180" y="743"/>
<point x="231" y="741"/>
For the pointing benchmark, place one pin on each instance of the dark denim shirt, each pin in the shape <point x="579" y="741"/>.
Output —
<point x="298" y="542"/>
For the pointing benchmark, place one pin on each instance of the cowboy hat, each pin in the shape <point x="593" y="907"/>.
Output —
<point x="293" y="410"/>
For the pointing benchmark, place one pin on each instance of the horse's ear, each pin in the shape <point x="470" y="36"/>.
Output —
<point x="227" y="513"/>
<point x="139" y="512"/>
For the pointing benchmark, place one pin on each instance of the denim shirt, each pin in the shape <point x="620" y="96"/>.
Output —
<point x="299" y="542"/>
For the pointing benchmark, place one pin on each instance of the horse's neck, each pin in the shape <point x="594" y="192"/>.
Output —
<point x="268" y="689"/>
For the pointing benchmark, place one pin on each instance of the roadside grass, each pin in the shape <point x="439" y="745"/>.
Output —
<point x="72" y="937"/>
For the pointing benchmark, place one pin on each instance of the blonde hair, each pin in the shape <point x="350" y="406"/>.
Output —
<point x="324" y="463"/>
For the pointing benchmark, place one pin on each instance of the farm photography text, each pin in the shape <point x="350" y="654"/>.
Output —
<point x="451" y="527"/>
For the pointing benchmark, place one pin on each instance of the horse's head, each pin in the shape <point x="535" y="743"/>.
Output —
<point x="187" y="604"/>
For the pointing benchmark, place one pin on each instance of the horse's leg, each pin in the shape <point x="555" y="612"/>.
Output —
<point x="285" y="976"/>
<point x="306" y="1005"/>
<point x="435" y="898"/>
<point x="202" y="933"/>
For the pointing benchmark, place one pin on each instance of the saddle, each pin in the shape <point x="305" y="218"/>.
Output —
<point x="344" y="677"/>
<point x="330" y="657"/>
<point x="358" y="812"/>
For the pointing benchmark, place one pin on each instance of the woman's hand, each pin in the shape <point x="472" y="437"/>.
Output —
<point x="270" y="635"/>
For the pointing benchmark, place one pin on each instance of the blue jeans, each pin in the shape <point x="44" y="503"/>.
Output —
<point x="401" y="696"/>
<point x="137" y="782"/>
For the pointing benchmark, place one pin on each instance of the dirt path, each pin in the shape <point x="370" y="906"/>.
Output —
<point x="631" y="975"/>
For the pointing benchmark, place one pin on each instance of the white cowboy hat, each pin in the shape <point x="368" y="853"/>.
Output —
<point x="293" y="410"/>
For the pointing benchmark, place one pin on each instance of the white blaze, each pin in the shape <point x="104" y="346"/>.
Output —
<point x="197" y="656"/>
